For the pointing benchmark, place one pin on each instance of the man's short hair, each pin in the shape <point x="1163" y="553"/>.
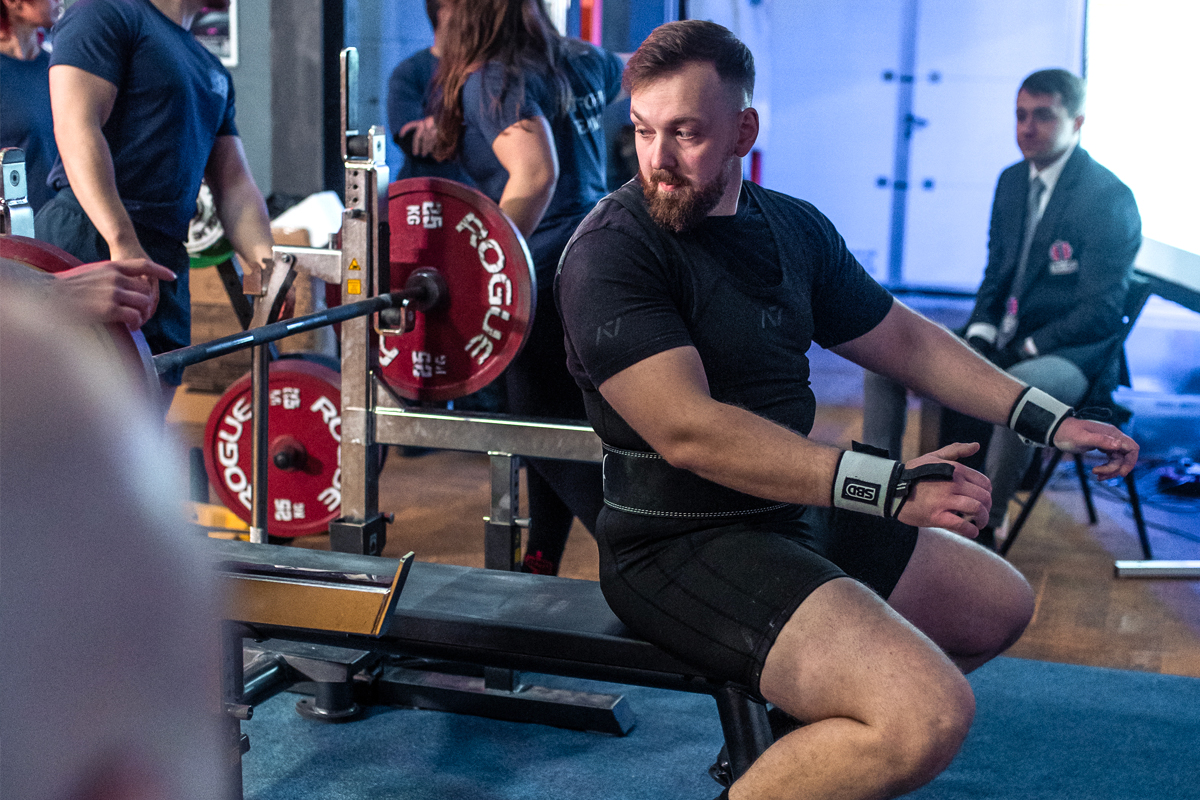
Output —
<point x="671" y="47"/>
<point x="1067" y="85"/>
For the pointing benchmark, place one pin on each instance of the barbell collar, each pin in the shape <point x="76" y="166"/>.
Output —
<point x="186" y="356"/>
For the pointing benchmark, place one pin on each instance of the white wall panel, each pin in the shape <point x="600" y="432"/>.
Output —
<point x="980" y="51"/>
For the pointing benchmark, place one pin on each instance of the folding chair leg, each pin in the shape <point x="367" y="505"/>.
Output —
<point x="1135" y="503"/>
<point x="1047" y="473"/>
<point x="1086" y="486"/>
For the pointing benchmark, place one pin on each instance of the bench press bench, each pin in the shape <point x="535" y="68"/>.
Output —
<point x="484" y="617"/>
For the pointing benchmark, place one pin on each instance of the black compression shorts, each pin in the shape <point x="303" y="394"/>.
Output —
<point x="718" y="597"/>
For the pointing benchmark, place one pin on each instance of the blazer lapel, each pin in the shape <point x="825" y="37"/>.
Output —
<point x="1051" y="220"/>
<point x="1015" y="194"/>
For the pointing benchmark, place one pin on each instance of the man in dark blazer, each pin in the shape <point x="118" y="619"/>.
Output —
<point x="1063" y="236"/>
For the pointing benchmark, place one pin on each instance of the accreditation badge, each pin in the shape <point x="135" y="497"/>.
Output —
<point x="1062" y="261"/>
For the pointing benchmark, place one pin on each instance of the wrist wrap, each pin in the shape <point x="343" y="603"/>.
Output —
<point x="876" y="485"/>
<point x="1035" y="417"/>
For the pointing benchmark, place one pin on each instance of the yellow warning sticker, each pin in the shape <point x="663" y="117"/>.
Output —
<point x="354" y="264"/>
<point x="354" y="286"/>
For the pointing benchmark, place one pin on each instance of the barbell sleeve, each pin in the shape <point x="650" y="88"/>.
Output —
<point x="186" y="356"/>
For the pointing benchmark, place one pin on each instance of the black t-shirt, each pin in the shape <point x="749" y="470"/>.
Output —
<point x="750" y="292"/>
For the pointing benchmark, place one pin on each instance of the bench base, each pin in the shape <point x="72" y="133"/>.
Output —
<point x="339" y="682"/>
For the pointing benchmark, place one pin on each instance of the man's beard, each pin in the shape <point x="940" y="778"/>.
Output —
<point x="684" y="208"/>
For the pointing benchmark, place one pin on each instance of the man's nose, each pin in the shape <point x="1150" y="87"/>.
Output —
<point x="661" y="154"/>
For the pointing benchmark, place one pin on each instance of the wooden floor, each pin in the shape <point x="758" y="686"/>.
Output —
<point x="1084" y="615"/>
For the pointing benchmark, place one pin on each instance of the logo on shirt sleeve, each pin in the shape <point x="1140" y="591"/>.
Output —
<point x="219" y="83"/>
<point x="608" y="330"/>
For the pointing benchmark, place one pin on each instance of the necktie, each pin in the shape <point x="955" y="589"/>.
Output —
<point x="1008" y="325"/>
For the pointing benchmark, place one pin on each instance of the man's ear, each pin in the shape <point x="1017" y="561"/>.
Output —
<point x="1078" y="122"/>
<point x="747" y="131"/>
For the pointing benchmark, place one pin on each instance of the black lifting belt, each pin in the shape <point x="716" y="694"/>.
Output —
<point x="641" y="482"/>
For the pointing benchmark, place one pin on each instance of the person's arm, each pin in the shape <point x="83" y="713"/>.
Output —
<point x="81" y="103"/>
<point x="665" y="398"/>
<point x="240" y="205"/>
<point x="983" y="326"/>
<point x="526" y="150"/>
<point x="424" y="137"/>
<point x="112" y="291"/>
<point x="934" y="363"/>
<point x="407" y="86"/>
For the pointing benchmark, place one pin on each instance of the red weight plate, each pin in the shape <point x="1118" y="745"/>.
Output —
<point x="304" y="474"/>
<point x="48" y="258"/>
<point x="465" y="342"/>
<point x="37" y="254"/>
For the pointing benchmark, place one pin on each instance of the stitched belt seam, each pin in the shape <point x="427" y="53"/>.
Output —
<point x="694" y="514"/>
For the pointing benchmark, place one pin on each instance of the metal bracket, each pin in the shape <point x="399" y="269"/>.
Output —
<point x="16" y="215"/>
<point x="363" y="537"/>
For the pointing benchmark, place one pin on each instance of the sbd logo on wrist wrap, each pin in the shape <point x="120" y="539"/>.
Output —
<point x="861" y="491"/>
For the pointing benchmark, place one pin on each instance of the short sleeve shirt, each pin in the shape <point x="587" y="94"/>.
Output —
<point x="750" y="292"/>
<point x="174" y="99"/>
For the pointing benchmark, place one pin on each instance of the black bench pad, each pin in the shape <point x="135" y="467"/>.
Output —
<point x="502" y="619"/>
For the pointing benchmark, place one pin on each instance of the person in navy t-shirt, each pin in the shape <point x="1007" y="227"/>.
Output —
<point x="142" y="113"/>
<point x="25" y="121"/>
<point x="408" y="103"/>
<point x="521" y="108"/>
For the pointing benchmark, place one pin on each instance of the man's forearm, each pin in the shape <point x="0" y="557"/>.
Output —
<point x="240" y="205"/>
<point x="736" y="448"/>
<point x="665" y="398"/>
<point x="934" y="363"/>
<point x="243" y="215"/>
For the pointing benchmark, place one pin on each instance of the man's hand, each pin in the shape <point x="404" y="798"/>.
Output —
<point x="1081" y="435"/>
<point x="960" y="505"/>
<point x="114" y="291"/>
<point x="424" y="137"/>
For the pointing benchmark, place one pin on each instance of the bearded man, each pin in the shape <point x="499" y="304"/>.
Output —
<point x="840" y="586"/>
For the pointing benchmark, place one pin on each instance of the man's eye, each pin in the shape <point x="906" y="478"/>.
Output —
<point x="684" y="134"/>
<point x="643" y="132"/>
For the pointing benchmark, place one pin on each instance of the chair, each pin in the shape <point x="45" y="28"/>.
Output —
<point x="1099" y="396"/>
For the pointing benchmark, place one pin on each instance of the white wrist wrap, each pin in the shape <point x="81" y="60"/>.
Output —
<point x="861" y="483"/>
<point x="1036" y="416"/>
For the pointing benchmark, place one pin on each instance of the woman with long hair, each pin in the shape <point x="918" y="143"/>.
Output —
<point x="520" y="107"/>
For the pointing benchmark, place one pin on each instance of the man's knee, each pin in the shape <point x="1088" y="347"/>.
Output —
<point x="930" y="741"/>
<point x="923" y="736"/>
